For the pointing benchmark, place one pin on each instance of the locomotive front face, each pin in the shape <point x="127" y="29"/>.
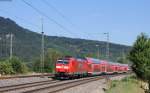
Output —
<point x="62" y="66"/>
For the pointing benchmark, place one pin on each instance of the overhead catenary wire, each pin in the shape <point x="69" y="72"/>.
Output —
<point x="26" y="44"/>
<point x="38" y="27"/>
<point x="56" y="10"/>
<point x="26" y="21"/>
<point x="62" y="15"/>
<point x="87" y="35"/>
<point x="22" y="19"/>
<point x="49" y="18"/>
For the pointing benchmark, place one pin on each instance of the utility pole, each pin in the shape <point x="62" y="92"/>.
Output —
<point x="98" y="55"/>
<point x="0" y="46"/>
<point x="123" y="56"/>
<point x="11" y="45"/>
<point x="42" y="50"/>
<point x="107" y="45"/>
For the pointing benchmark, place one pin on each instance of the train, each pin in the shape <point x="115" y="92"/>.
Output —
<point x="72" y="67"/>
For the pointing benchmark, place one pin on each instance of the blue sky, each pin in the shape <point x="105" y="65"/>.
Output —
<point x="87" y="19"/>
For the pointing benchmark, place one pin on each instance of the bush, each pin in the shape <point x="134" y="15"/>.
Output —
<point x="51" y="57"/>
<point x="47" y="66"/>
<point x="6" y="68"/>
<point x="18" y="66"/>
<point x="13" y="66"/>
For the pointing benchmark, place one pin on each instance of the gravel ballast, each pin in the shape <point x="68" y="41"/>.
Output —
<point x="15" y="81"/>
<point x="92" y="87"/>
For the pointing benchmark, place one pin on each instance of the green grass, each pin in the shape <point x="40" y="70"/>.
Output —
<point x="127" y="85"/>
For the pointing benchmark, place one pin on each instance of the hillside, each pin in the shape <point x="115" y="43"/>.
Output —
<point x="27" y="44"/>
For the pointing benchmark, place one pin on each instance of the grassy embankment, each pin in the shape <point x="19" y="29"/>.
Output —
<point x="127" y="85"/>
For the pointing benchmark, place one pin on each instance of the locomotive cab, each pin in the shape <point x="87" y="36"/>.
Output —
<point x="62" y="66"/>
<point x="71" y="67"/>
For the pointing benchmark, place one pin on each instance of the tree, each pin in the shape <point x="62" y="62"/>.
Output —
<point x="18" y="66"/>
<point x="123" y="60"/>
<point x="51" y="57"/>
<point x="140" y="56"/>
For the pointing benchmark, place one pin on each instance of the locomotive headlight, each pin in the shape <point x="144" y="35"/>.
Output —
<point x="66" y="67"/>
<point x="58" y="67"/>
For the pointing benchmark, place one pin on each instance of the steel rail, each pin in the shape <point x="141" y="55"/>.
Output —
<point x="57" y="86"/>
<point x="76" y="82"/>
<point x="26" y="85"/>
<point x="67" y="85"/>
<point x="24" y="76"/>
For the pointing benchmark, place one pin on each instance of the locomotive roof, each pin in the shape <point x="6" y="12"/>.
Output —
<point x="81" y="59"/>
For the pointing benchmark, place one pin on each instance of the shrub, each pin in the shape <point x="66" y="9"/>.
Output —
<point x="18" y="66"/>
<point x="6" y="68"/>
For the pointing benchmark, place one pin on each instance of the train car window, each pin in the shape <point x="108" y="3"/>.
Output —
<point x="63" y="62"/>
<point x="66" y="61"/>
<point x="59" y="62"/>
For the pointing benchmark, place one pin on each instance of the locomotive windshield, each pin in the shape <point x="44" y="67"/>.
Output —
<point x="62" y="61"/>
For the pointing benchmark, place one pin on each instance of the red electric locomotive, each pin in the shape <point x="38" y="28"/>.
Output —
<point x="69" y="67"/>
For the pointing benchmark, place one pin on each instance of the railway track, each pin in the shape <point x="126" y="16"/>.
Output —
<point x="66" y="85"/>
<point x="26" y="85"/>
<point x="25" y="76"/>
<point x="63" y="86"/>
<point x="49" y="86"/>
<point x="44" y="85"/>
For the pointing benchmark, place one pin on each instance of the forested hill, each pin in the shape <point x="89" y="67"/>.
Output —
<point x="27" y="44"/>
